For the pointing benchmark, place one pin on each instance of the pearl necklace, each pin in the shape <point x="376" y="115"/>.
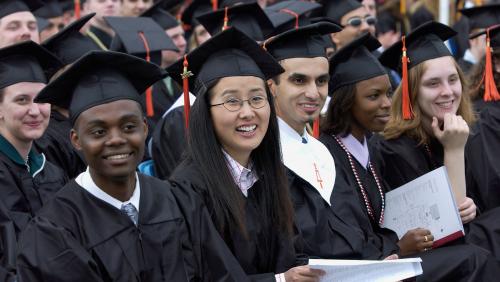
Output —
<point x="368" y="205"/>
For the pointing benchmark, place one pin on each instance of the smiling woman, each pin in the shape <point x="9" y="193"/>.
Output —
<point x="28" y="181"/>
<point x="233" y="159"/>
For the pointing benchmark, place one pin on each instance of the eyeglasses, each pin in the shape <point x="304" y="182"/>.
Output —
<point x="234" y="104"/>
<point x="357" y="21"/>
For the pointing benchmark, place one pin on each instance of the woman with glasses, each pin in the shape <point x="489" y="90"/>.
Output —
<point x="233" y="159"/>
<point x="360" y="105"/>
<point x="429" y="125"/>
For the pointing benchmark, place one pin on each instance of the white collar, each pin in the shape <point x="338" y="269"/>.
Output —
<point x="180" y="103"/>
<point x="85" y="180"/>
<point x="244" y="177"/>
<point x="358" y="150"/>
<point x="311" y="161"/>
<point x="469" y="57"/>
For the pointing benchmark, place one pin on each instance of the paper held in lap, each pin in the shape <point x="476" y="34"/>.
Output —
<point x="367" y="270"/>
<point x="426" y="202"/>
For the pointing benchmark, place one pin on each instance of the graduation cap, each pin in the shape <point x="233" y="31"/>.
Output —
<point x="249" y="18"/>
<point x="8" y="7"/>
<point x="336" y="9"/>
<point x="141" y="37"/>
<point x="160" y="16"/>
<point x="50" y="9"/>
<point x="426" y="42"/>
<point x="290" y="14"/>
<point x="42" y="23"/>
<point x="26" y="62"/>
<point x="230" y="3"/>
<point x="481" y="17"/>
<point x="303" y="42"/>
<point x="355" y="62"/>
<point x="69" y="44"/>
<point x="195" y="9"/>
<point x="98" y="78"/>
<point x="229" y="53"/>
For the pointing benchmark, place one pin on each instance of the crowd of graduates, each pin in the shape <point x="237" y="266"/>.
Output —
<point x="235" y="140"/>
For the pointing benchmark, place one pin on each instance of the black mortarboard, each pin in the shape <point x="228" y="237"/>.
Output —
<point x="50" y="9"/>
<point x="355" y="62"/>
<point x="195" y="9"/>
<point x="69" y="44"/>
<point x="231" y="3"/>
<point x="229" y="53"/>
<point x="481" y="17"/>
<point x="160" y="16"/>
<point x="422" y="44"/>
<point x="303" y="42"/>
<point x="26" y="62"/>
<point x="249" y="18"/>
<point x="290" y="14"/>
<point x="8" y="7"/>
<point x="167" y="5"/>
<point x="98" y="78"/>
<point x="133" y="34"/>
<point x="42" y="23"/>
<point x="336" y="9"/>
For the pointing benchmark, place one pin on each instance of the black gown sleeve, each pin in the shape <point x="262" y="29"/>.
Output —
<point x="214" y="259"/>
<point x="169" y="143"/>
<point x="50" y="253"/>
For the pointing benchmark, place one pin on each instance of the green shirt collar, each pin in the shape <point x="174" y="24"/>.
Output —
<point x="36" y="161"/>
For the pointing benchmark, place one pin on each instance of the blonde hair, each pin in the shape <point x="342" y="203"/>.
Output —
<point x="398" y="126"/>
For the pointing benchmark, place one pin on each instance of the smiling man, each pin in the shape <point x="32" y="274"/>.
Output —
<point x="111" y="223"/>
<point x="17" y="22"/>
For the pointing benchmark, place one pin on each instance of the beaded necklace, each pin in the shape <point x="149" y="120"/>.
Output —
<point x="368" y="204"/>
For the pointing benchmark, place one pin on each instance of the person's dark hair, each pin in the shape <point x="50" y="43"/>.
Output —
<point x="339" y="118"/>
<point x="228" y="205"/>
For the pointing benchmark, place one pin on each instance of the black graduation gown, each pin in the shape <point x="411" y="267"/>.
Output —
<point x="482" y="154"/>
<point x="78" y="237"/>
<point x="436" y="264"/>
<point x="169" y="142"/>
<point x="326" y="231"/>
<point x="21" y="197"/>
<point x="265" y="251"/>
<point x="162" y="100"/>
<point x="401" y="160"/>
<point x="103" y="38"/>
<point x="466" y="66"/>
<point x="56" y="145"/>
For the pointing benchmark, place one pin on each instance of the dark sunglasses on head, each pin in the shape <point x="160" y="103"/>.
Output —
<point x="357" y="21"/>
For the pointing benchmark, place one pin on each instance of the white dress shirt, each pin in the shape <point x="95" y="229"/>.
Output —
<point x="85" y="180"/>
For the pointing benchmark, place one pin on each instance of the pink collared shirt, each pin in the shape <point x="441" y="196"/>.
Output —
<point x="244" y="177"/>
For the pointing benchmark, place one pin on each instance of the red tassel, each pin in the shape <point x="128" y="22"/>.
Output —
<point x="490" y="88"/>
<point x="77" y="9"/>
<point x="293" y="14"/>
<point x="405" y="98"/>
<point x="149" y="91"/>
<point x="316" y="128"/>
<point x="215" y="5"/>
<point x="185" y="86"/>
<point x="226" y="19"/>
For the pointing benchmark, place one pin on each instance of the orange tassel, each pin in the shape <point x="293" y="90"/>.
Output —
<point x="226" y="19"/>
<point x="185" y="86"/>
<point x="402" y="7"/>
<point x="215" y="5"/>
<point x="149" y="91"/>
<point x="293" y="14"/>
<point x="316" y="128"/>
<point x="405" y="99"/>
<point x="490" y="88"/>
<point x="77" y="9"/>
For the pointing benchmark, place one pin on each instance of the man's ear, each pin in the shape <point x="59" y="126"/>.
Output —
<point x="272" y="87"/>
<point x="75" y="140"/>
<point x="146" y="128"/>
<point x="334" y="38"/>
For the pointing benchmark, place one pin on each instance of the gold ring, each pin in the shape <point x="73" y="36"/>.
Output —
<point x="425" y="238"/>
